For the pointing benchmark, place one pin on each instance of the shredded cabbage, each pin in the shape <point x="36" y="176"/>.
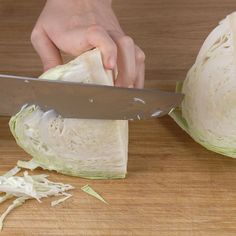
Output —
<point x="31" y="186"/>
<point x="5" y="197"/>
<point x="31" y="165"/>
<point x="59" y="201"/>
<point x="12" y="172"/>
<point x="17" y="202"/>
<point x="27" y="187"/>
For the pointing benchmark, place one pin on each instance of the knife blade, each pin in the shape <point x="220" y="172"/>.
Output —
<point x="84" y="101"/>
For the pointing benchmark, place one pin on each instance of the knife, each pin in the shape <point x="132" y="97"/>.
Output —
<point x="84" y="101"/>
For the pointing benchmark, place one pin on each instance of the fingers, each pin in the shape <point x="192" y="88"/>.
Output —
<point x="80" y="40"/>
<point x="140" y="68"/>
<point x="116" y="49"/>
<point x="131" y="68"/>
<point x="99" y="38"/>
<point x="48" y="52"/>
<point x="126" y="62"/>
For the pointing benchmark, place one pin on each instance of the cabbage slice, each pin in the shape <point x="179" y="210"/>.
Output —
<point x="90" y="191"/>
<point x="59" y="201"/>
<point x="95" y="149"/>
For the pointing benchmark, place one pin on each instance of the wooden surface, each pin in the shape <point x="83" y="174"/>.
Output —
<point x="174" y="186"/>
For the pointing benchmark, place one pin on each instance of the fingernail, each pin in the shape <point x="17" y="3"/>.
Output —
<point x="117" y="84"/>
<point x="131" y="86"/>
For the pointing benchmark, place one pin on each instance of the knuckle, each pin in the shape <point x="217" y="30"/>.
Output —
<point x="93" y="29"/>
<point x="126" y="41"/>
<point x="35" y="35"/>
<point x="140" y="56"/>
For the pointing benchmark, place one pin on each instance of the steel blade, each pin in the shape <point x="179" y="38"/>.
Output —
<point x="84" y="101"/>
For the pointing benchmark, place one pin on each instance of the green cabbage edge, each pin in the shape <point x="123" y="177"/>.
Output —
<point x="176" y="115"/>
<point x="55" y="166"/>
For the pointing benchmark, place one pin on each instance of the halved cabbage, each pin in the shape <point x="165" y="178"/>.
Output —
<point x="95" y="149"/>
<point x="208" y="111"/>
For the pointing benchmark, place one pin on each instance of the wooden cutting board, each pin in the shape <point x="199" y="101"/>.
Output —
<point x="174" y="186"/>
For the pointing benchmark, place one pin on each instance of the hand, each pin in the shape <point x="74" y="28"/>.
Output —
<point x="75" y="26"/>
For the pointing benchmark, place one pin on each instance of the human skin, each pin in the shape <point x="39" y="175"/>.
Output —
<point x="76" y="26"/>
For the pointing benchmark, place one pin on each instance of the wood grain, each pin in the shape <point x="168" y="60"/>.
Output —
<point x="174" y="186"/>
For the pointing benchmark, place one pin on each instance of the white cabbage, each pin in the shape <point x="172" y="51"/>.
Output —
<point x="31" y="186"/>
<point x="208" y="111"/>
<point x="28" y="187"/>
<point x="79" y="147"/>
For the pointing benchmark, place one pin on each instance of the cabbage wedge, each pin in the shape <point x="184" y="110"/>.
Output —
<point x="95" y="149"/>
